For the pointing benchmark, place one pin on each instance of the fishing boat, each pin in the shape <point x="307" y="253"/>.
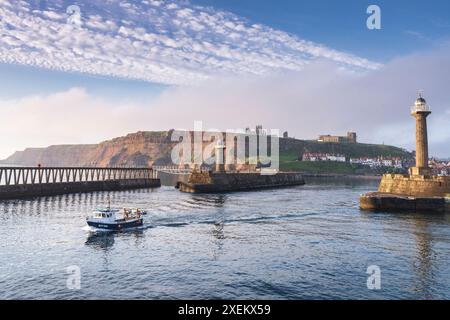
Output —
<point x="116" y="219"/>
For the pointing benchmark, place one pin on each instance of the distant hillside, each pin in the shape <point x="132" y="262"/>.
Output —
<point x="137" y="149"/>
<point x="148" y="148"/>
<point x="291" y="150"/>
<point x="64" y="155"/>
<point x="296" y="148"/>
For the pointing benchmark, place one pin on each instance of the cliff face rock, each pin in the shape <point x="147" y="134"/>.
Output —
<point x="137" y="149"/>
<point x="63" y="155"/>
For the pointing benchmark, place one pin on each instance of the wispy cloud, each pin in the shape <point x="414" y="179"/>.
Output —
<point x="417" y="35"/>
<point x="171" y="42"/>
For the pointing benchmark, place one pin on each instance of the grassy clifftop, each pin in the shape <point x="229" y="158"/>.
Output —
<point x="351" y="150"/>
<point x="292" y="150"/>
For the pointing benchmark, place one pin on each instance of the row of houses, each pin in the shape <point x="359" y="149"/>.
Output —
<point x="310" y="156"/>
<point x="440" y="167"/>
<point x="377" y="162"/>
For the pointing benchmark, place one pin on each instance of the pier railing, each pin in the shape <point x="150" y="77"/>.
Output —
<point x="171" y="169"/>
<point x="10" y="176"/>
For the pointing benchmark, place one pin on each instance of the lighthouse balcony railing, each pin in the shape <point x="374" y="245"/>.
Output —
<point x="424" y="108"/>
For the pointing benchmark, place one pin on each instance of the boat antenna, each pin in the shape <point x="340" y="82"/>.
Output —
<point x="109" y="203"/>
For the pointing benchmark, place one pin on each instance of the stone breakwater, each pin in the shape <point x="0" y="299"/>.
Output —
<point x="51" y="189"/>
<point x="207" y="182"/>
<point x="413" y="193"/>
<point x="377" y="201"/>
<point x="416" y="186"/>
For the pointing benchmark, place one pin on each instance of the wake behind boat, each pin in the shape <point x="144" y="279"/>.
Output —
<point x="116" y="219"/>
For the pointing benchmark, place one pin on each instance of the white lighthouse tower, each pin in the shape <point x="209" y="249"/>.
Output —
<point x="220" y="156"/>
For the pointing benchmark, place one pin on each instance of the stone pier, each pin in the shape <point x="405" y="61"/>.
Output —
<point x="419" y="191"/>
<point x="209" y="182"/>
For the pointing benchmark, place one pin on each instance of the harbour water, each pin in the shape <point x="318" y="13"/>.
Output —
<point x="305" y="242"/>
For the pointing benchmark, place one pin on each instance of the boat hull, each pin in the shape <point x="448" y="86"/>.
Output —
<point x="116" y="226"/>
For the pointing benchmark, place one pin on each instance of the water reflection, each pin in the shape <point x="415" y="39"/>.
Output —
<point x="423" y="264"/>
<point x="218" y="231"/>
<point x="83" y="203"/>
<point x="217" y="201"/>
<point x="343" y="181"/>
<point x="420" y="227"/>
<point x="104" y="240"/>
<point x="211" y="200"/>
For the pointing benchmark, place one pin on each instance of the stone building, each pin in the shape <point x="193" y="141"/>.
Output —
<point x="350" y="138"/>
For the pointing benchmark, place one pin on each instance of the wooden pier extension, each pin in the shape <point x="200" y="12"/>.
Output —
<point x="24" y="182"/>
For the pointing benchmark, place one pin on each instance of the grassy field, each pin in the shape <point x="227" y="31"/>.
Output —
<point x="290" y="154"/>
<point x="352" y="150"/>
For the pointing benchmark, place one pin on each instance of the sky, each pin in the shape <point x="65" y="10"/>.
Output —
<point x="308" y="67"/>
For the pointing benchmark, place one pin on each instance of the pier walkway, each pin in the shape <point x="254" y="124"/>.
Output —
<point x="23" y="182"/>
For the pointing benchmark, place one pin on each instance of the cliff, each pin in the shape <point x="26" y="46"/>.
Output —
<point x="148" y="148"/>
<point x="137" y="149"/>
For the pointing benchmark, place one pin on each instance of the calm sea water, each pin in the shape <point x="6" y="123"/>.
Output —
<point x="308" y="242"/>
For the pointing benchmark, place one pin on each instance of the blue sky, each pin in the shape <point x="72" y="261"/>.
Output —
<point x="18" y="81"/>
<point x="287" y="18"/>
<point x="154" y="65"/>
<point x="407" y="25"/>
